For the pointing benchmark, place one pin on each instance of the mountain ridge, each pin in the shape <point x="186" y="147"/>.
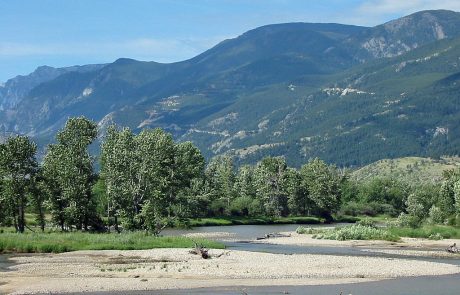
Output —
<point x="254" y="95"/>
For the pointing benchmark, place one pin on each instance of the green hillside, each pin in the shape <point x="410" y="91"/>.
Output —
<point x="409" y="169"/>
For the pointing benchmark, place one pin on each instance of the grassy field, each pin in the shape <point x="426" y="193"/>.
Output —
<point x="65" y="242"/>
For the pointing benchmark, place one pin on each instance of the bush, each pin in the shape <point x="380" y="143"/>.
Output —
<point x="367" y="222"/>
<point x="407" y="220"/>
<point x="436" y="236"/>
<point x="308" y="230"/>
<point x="453" y="220"/>
<point x="358" y="232"/>
<point x="369" y="209"/>
<point x="436" y="216"/>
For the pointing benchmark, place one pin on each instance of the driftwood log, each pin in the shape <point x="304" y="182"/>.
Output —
<point x="453" y="249"/>
<point x="200" y="250"/>
<point x="203" y="252"/>
<point x="272" y="235"/>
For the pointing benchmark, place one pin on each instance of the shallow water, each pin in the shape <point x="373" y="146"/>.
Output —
<point x="244" y="232"/>
<point x="242" y="235"/>
<point x="440" y="285"/>
<point x="429" y="285"/>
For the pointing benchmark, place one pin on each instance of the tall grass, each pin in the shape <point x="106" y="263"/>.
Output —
<point x="447" y="232"/>
<point x="65" y="242"/>
<point x="353" y="232"/>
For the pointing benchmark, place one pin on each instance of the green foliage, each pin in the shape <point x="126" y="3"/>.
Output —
<point x="407" y="220"/>
<point x="436" y="237"/>
<point x="302" y="230"/>
<point x="220" y="182"/>
<point x="369" y="209"/>
<point x="447" y="232"/>
<point x="358" y="232"/>
<point x="412" y="170"/>
<point x="18" y="172"/>
<point x="322" y="182"/>
<point x="436" y="216"/>
<point x="149" y="177"/>
<point x="68" y="171"/>
<point x="65" y="242"/>
<point x="367" y="222"/>
<point x="254" y="220"/>
<point x="270" y="178"/>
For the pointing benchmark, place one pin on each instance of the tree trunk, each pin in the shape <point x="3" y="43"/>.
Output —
<point x="21" y="218"/>
<point x="116" y="224"/>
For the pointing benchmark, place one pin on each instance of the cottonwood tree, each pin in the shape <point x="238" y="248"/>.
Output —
<point x="299" y="202"/>
<point x="156" y="149"/>
<point x="186" y="173"/>
<point x="323" y="185"/>
<point x="119" y="162"/>
<point x="220" y="179"/>
<point x="270" y="179"/>
<point x="148" y="177"/>
<point x="18" y="168"/>
<point x="449" y="195"/>
<point x="68" y="170"/>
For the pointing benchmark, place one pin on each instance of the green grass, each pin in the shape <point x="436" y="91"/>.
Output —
<point x="253" y="221"/>
<point x="447" y="232"/>
<point x="65" y="242"/>
<point x="352" y="232"/>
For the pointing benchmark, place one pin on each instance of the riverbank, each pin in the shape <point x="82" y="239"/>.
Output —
<point x="59" y="242"/>
<point x="91" y="271"/>
<point x="293" y="238"/>
<point x="236" y="220"/>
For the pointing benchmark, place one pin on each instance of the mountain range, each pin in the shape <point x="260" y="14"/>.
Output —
<point x="350" y="95"/>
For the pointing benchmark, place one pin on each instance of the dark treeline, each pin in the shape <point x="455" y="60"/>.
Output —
<point x="147" y="181"/>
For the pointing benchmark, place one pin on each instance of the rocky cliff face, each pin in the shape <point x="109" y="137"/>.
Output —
<point x="402" y="35"/>
<point x="15" y="89"/>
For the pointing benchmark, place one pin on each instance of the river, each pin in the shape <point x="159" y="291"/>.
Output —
<point x="238" y="237"/>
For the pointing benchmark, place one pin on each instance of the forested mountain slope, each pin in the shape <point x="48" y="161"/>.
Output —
<point x="350" y="95"/>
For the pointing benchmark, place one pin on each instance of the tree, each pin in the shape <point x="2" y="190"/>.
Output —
<point x="244" y="182"/>
<point x="270" y="179"/>
<point x="220" y="179"/>
<point x="298" y="197"/>
<point x="323" y="185"/>
<point x="18" y="170"/>
<point x="68" y="170"/>
<point x="156" y="149"/>
<point x="187" y="171"/>
<point x="119" y="168"/>
<point x="148" y="177"/>
<point x="449" y="194"/>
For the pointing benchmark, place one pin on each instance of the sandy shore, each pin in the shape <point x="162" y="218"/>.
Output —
<point x="84" y="271"/>
<point x="294" y="238"/>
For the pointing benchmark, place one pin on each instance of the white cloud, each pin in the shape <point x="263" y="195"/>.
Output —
<point x="162" y="50"/>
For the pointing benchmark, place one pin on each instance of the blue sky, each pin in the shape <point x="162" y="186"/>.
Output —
<point x="68" y="32"/>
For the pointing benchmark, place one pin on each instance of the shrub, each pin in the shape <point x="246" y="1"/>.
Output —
<point x="358" y="232"/>
<point x="453" y="220"/>
<point x="407" y="220"/>
<point x="436" y="215"/>
<point x="369" y="209"/>
<point x="367" y="222"/>
<point x="436" y="236"/>
<point x="308" y="230"/>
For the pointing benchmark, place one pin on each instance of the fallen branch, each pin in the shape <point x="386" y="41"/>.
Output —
<point x="273" y="235"/>
<point x="200" y="250"/>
